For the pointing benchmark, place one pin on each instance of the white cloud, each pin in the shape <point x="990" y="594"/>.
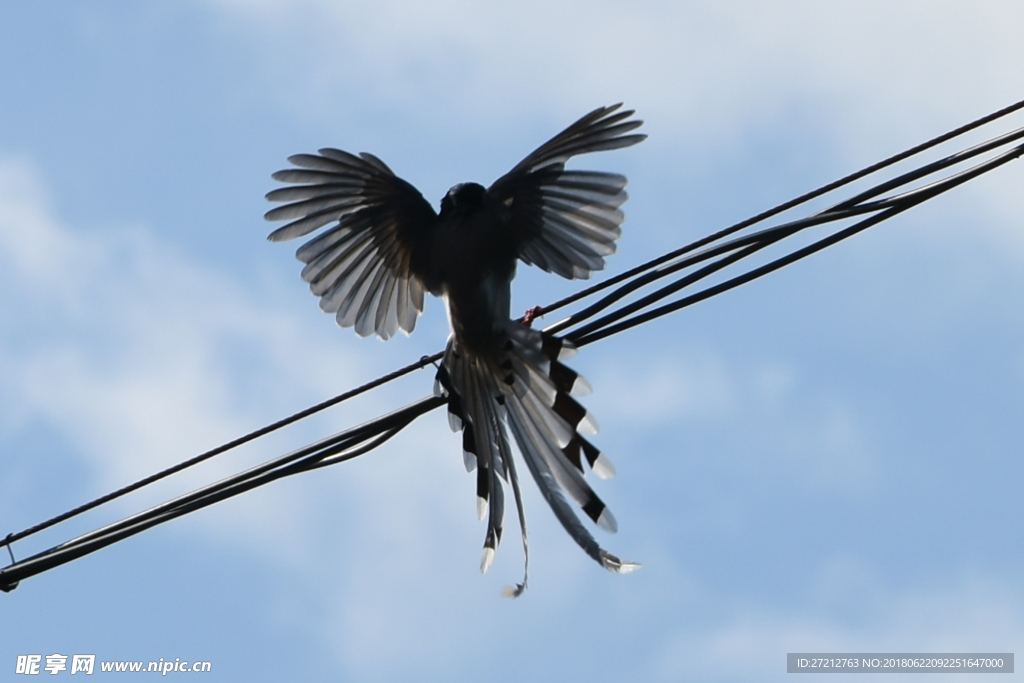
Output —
<point x="141" y="359"/>
<point x="665" y="387"/>
<point x="818" y="439"/>
<point x="975" y="615"/>
<point x="719" y="66"/>
<point x="827" y="445"/>
<point x="852" y="82"/>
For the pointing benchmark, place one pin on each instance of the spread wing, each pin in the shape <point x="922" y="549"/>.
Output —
<point x="567" y="221"/>
<point x="368" y="268"/>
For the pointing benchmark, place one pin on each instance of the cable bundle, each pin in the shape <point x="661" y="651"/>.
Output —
<point x="611" y="314"/>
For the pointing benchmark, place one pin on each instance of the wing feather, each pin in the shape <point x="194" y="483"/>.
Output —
<point x="369" y="267"/>
<point x="566" y="222"/>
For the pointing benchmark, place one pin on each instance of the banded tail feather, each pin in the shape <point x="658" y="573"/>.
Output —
<point x="526" y="391"/>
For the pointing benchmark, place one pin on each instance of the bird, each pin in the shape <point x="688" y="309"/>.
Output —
<point x="384" y="246"/>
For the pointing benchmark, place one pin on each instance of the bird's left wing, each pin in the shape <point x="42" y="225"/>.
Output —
<point x="566" y="222"/>
<point x="368" y="268"/>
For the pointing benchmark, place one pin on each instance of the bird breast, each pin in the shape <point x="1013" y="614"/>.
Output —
<point x="476" y="261"/>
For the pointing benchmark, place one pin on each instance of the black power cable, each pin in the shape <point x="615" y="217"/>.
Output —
<point x="713" y="251"/>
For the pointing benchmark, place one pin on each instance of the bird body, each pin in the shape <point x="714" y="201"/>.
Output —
<point x="387" y="246"/>
<point x="474" y="263"/>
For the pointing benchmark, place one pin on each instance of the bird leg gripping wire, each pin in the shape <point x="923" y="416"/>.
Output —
<point x="718" y="254"/>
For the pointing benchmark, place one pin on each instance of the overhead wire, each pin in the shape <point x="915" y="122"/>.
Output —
<point x="714" y="252"/>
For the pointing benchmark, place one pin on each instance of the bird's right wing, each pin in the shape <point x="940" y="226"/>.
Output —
<point x="566" y="222"/>
<point x="368" y="268"/>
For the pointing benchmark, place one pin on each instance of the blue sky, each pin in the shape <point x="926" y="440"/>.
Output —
<point x="824" y="460"/>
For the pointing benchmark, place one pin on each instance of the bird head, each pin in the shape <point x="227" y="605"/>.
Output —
<point x="462" y="199"/>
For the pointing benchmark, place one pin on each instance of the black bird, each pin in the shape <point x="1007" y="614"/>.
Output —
<point x="386" y="245"/>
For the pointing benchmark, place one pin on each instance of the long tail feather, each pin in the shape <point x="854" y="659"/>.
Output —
<point x="526" y="390"/>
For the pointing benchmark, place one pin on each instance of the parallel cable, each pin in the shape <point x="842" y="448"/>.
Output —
<point x="785" y="206"/>
<point x="712" y="254"/>
<point x="603" y="327"/>
<point x="202" y="457"/>
<point x="338" y="448"/>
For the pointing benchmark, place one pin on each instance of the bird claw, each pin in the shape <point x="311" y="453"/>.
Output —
<point x="532" y="314"/>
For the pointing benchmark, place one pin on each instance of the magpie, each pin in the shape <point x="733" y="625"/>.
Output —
<point x="384" y="246"/>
